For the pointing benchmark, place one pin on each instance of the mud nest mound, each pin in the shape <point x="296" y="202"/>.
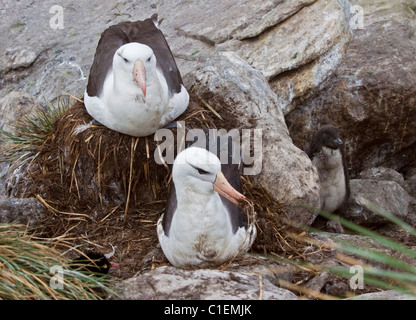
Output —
<point x="102" y="187"/>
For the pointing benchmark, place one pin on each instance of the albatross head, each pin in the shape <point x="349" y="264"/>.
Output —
<point x="133" y="61"/>
<point x="200" y="171"/>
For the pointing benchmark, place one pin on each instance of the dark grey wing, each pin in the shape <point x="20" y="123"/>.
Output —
<point x="111" y="39"/>
<point x="171" y="206"/>
<point x="315" y="145"/>
<point x="347" y="178"/>
<point x="232" y="173"/>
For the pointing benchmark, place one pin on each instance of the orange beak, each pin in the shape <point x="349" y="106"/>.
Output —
<point x="139" y="75"/>
<point x="223" y="187"/>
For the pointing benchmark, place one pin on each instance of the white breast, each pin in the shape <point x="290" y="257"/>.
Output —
<point x="177" y="105"/>
<point x="201" y="236"/>
<point x="331" y="177"/>
<point x="127" y="111"/>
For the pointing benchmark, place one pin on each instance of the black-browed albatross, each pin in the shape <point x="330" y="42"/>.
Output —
<point x="134" y="86"/>
<point x="203" y="226"/>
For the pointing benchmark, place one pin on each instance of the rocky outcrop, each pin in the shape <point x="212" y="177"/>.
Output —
<point x="384" y="295"/>
<point x="169" y="283"/>
<point x="371" y="96"/>
<point x="14" y="107"/>
<point x="267" y="35"/>
<point x="297" y="40"/>
<point x="46" y="59"/>
<point x="411" y="181"/>
<point x="383" y="174"/>
<point x="241" y="94"/>
<point x="28" y="211"/>
<point x="387" y="195"/>
<point x="257" y="17"/>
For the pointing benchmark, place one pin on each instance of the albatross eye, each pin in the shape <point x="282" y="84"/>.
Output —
<point x="148" y="60"/>
<point x="201" y="171"/>
<point x="125" y="60"/>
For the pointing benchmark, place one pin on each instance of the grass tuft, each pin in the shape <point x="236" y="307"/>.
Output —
<point x="393" y="268"/>
<point x="31" y="132"/>
<point x="31" y="270"/>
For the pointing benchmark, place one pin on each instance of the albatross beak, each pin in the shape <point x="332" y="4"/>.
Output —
<point x="139" y="75"/>
<point x="223" y="187"/>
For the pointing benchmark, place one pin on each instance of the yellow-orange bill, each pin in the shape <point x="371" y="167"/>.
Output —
<point x="139" y="75"/>
<point x="223" y="187"/>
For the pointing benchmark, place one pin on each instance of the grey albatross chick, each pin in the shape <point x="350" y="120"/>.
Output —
<point x="327" y="153"/>
<point x="134" y="86"/>
<point x="203" y="225"/>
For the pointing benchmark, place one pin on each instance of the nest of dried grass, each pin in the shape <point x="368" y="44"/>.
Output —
<point x="107" y="187"/>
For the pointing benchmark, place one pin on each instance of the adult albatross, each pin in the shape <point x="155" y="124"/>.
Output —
<point x="203" y="225"/>
<point x="134" y="86"/>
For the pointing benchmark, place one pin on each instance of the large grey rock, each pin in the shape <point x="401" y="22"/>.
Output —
<point x="167" y="283"/>
<point x="247" y="20"/>
<point x="371" y="95"/>
<point x="28" y="211"/>
<point x="277" y="272"/>
<point x="387" y="195"/>
<point x="411" y="182"/>
<point x="383" y="174"/>
<point x="4" y="169"/>
<point x="300" y="39"/>
<point x="384" y="295"/>
<point x="46" y="61"/>
<point x="243" y="97"/>
<point x="298" y="55"/>
<point x="15" y="107"/>
<point x="270" y="269"/>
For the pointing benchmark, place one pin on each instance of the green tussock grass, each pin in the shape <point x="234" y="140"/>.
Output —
<point x="26" y="271"/>
<point x="32" y="131"/>
<point x="385" y="263"/>
<point x="384" y="270"/>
